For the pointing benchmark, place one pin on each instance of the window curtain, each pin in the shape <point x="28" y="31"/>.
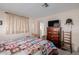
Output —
<point x="34" y="26"/>
<point x="16" y="24"/>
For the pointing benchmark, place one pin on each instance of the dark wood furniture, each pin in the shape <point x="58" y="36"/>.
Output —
<point x="54" y="35"/>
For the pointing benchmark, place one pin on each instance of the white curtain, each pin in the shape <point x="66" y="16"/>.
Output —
<point x="34" y="26"/>
<point x="16" y="24"/>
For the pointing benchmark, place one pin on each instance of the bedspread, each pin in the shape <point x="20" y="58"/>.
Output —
<point x="27" y="45"/>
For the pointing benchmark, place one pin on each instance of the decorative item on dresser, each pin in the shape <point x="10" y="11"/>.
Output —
<point x="54" y="32"/>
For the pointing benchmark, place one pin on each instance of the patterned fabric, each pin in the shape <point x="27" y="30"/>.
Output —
<point x="29" y="45"/>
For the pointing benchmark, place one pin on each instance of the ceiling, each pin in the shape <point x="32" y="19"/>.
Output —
<point x="35" y="10"/>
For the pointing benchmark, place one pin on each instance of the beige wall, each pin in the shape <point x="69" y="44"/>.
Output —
<point x="62" y="16"/>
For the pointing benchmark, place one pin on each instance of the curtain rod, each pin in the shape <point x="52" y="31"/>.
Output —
<point x="16" y="14"/>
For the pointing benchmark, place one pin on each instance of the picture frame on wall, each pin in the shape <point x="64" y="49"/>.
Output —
<point x="0" y="22"/>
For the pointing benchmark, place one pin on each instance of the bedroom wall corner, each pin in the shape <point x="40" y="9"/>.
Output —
<point x="62" y="16"/>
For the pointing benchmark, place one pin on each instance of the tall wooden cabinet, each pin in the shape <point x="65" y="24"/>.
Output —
<point x="54" y="32"/>
<point x="54" y="35"/>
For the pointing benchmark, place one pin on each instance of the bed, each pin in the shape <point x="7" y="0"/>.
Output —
<point x="28" y="46"/>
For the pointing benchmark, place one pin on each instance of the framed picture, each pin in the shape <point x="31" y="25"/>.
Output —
<point x="0" y="22"/>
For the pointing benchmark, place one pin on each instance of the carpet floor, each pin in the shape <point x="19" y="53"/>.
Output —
<point x="62" y="52"/>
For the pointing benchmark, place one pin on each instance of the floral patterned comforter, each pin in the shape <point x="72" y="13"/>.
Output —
<point x="29" y="45"/>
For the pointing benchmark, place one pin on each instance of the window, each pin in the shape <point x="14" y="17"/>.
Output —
<point x="42" y="28"/>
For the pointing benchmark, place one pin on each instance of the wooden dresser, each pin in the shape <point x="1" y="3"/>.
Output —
<point x="54" y="35"/>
